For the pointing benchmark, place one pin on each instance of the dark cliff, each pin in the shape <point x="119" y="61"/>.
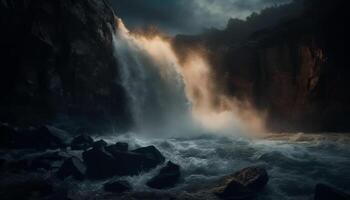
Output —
<point x="288" y="61"/>
<point x="57" y="60"/>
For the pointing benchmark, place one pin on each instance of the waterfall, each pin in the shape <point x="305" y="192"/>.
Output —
<point x="154" y="87"/>
<point x="170" y="96"/>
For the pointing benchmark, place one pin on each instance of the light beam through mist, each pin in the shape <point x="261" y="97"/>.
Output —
<point x="170" y="95"/>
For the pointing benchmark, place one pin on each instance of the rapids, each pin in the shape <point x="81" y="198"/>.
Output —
<point x="295" y="163"/>
<point x="173" y="108"/>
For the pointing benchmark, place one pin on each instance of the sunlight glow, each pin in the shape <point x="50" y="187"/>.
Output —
<point x="209" y="108"/>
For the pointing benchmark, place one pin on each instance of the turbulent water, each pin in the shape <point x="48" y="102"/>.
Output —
<point x="172" y="103"/>
<point x="295" y="163"/>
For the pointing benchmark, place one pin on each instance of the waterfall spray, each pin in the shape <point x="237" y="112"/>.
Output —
<point x="166" y="94"/>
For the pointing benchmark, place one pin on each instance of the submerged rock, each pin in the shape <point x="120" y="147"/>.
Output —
<point x="72" y="167"/>
<point x="117" y="186"/>
<point x="167" y="177"/>
<point x="325" y="192"/>
<point x="81" y="142"/>
<point x="245" y="183"/>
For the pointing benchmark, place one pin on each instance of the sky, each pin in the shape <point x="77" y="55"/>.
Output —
<point x="186" y="16"/>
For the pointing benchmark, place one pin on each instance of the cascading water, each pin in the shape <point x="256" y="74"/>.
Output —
<point x="166" y="94"/>
<point x="155" y="89"/>
<point x="173" y="98"/>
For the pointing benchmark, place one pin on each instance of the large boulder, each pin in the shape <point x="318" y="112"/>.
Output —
<point x="100" y="164"/>
<point x="99" y="144"/>
<point x="167" y="177"/>
<point x="245" y="183"/>
<point x="151" y="152"/>
<point x="325" y="192"/>
<point x="72" y="167"/>
<point x="117" y="186"/>
<point x="117" y="147"/>
<point x="82" y="142"/>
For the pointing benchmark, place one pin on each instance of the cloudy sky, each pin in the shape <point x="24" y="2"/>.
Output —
<point x="186" y="16"/>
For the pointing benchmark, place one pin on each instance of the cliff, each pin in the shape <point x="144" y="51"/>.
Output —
<point x="57" y="61"/>
<point x="288" y="60"/>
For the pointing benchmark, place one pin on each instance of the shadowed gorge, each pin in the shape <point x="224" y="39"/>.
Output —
<point x="174" y="100"/>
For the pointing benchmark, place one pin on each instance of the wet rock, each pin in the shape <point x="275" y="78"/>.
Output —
<point x="117" y="147"/>
<point x="325" y="192"/>
<point x="117" y="186"/>
<point x="99" y="144"/>
<point x="72" y="167"/>
<point x="82" y="142"/>
<point x="167" y="177"/>
<point x="245" y="183"/>
<point x="99" y="163"/>
<point x="151" y="152"/>
<point x="130" y="163"/>
<point x="102" y="164"/>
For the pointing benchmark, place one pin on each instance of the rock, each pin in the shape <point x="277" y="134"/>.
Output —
<point x="6" y="135"/>
<point x="131" y="163"/>
<point x="117" y="186"/>
<point x="99" y="144"/>
<point x="48" y="161"/>
<point x="151" y="152"/>
<point x="102" y="164"/>
<point x="99" y="163"/>
<point x="54" y="156"/>
<point x="28" y="187"/>
<point x="44" y="137"/>
<point x="37" y="164"/>
<point x="2" y="162"/>
<point x="325" y="192"/>
<point x="167" y="177"/>
<point x="72" y="167"/>
<point x="81" y="142"/>
<point x="67" y="37"/>
<point x="18" y="165"/>
<point x="117" y="147"/>
<point x="51" y="137"/>
<point x="245" y="183"/>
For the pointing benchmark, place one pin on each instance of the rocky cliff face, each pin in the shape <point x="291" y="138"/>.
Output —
<point x="294" y="69"/>
<point x="57" y="59"/>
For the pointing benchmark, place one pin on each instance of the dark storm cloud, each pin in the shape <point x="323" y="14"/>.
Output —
<point x="186" y="16"/>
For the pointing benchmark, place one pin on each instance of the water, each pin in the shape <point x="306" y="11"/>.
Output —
<point x="172" y="106"/>
<point x="295" y="162"/>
